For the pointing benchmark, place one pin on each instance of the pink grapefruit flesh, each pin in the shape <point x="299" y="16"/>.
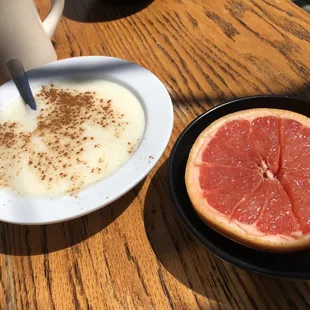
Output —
<point x="248" y="177"/>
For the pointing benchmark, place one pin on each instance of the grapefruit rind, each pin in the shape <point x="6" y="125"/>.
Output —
<point x="242" y="233"/>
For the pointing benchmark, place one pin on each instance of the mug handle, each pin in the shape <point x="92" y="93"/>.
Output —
<point x="51" y="21"/>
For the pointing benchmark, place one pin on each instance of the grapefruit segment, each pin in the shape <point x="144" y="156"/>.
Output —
<point x="248" y="210"/>
<point x="277" y="216"/>
<point x="222" y="154"/>
<point x="298" y="189"/>
<point x="232" y="151"/>
<point x="240" y="140"/>
<point x="212" y="177"/>
<point x="295" y="144"/>
<point x="248" y="177"/>
<point x="224" y="188"/>
<point x="225" y="199"/>
<point x="265" y="136"/>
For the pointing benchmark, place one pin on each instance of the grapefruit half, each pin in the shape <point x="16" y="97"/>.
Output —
<point x="248" y="177"/>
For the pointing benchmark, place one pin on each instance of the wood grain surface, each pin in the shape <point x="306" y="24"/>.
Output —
<point x="135" y="254"/>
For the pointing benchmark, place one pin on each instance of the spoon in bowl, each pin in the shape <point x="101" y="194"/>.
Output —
<point x="20" y="79"/>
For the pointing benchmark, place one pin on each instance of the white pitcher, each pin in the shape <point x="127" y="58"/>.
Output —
<point x="23" y="35"/>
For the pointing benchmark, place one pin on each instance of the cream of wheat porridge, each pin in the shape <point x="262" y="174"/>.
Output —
<point x="81" y="133"/>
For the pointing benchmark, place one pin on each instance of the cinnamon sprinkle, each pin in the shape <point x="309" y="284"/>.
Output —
<point x="61" y="129"/>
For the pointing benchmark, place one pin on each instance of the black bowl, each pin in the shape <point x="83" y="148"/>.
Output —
<point x="291" y="265"/>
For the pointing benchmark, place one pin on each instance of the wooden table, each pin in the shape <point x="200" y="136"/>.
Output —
<point x="135" y="254"/>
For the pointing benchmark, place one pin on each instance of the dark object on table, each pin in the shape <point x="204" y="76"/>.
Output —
<point x="90" y="11"/>
<point x="304" y="4"/>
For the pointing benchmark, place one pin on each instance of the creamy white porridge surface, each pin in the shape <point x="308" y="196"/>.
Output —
<point x="81" y="133"/>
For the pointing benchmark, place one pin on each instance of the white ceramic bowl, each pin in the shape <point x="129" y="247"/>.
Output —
<point x="158" y="111"/>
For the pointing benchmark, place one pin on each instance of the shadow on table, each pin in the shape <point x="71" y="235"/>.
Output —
<point x="43" y="239"/>
<point x="207" y="102"/>
<point x="197" y="268"/>
<point x="92" y="11"/>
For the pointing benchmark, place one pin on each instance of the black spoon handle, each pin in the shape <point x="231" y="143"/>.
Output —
<point x="20" y="79"/>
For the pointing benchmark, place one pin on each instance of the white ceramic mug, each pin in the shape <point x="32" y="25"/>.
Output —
<point x="24" y="36"/>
